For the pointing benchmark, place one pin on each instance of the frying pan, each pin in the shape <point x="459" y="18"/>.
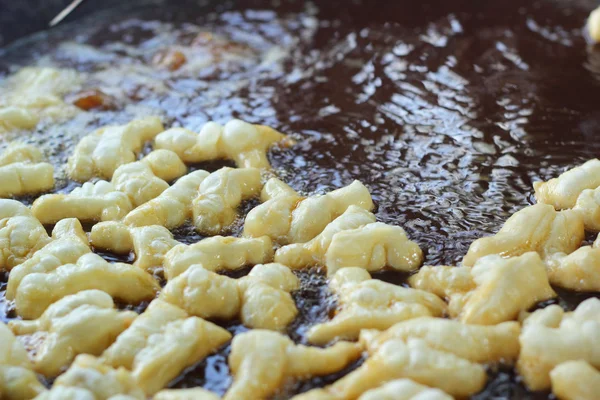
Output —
<point x="560" y="79"/>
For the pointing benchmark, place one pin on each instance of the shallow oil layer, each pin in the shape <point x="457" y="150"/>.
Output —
<point x="447" y="111"/>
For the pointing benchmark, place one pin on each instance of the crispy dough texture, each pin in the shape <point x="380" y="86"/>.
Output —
<point x="124" y="282"/>
<point x="262" y="299"/>
<point x="577" y="188"/>
<point x="148" y="243"/>
<point x="374" y="246"/>
<point x="262" y="361"/>
<point x="19" y="152"/>
<point x="217" y="253"/>
<point x="444" y="281"/>
<point x="404" y="389"/>
<point x="161" y="343"/>
<point x="21" y="235"/>
<point x="82" y="323"/>
<point x="219" y="196"/>
<point x="399" y="389"/>
<point x="551" y="337"/>
<point x="476" y="343"/>
<point x="17" y="379"/>
<point x="19" y="179"/>
<point x="92" y="202"/>
<point x="88" y="378"/>
<point x="23" y="172"/>
<point x="244" y="143"/>
<point x="12" y="117"/>
<point x="588" y="206"/>
<point x="483" y="300"/>
<point x="172" y="207"/>
<point x="579" y="271"/>
<point x="146" y="179"/>
<point x="575" y="380"/>
<point x="100" y="153"/>
<point x="365" y="303"/>
<point x="536" y="228"/>
<point x="35" y="93"/>
<point x="562" y="192"/>
<point x="68" y="243"/>
<point x="301" y="255"/>
<point x="286" y="217"/>
<point x="414" y="360"/>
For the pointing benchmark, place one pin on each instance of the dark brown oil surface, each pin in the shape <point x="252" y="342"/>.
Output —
<point x="446" y="110"/>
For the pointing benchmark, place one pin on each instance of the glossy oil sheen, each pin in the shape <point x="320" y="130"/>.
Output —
<point x="447" y="111"/>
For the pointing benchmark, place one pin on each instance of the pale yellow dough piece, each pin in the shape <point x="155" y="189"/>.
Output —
<point x="261" y="362"/>
<point x="453" y="284"/>
<point x="286" y="217"/>
<point x="578" y="188"/>
<point x="146" y="179"/>
<point x="579" y="271"/>
<point x="165" y="164"/>
<point x="124" y="282"/>
<point x="302" y="255"/>
<point x="204" y="294"/>
<point x="588" y="205"/>
<point x="88" y="378"/>
<point x="396" y="359"/>
<point x="17" y="380"/>
<point x="365" y="303"/>
<point x="161" y="343"/>
<point x="373" y="247"/>
<point x="92" y="202"/>
<point x="484" y="301"/>
<point x="354" y="239"/>
<point x="172" y="207"/>
<point x="562" y="192"/>
<point x="20" y="152"/>
<point x="246" y="144"/>
<point x="404" y="389"/>
<point x="19" y="179"/>
<point x="68" y="243"/>
<point x="35" y="93"/>
<point x="148" y="243"/>
<point x="186" y="394"/>
<point x="76" y="393"/>
<point x="262" y="299"/>
<point x="505" y="287"/>
<point x="21" y="235"/>
<point x="550" y="316"/>
<point x="219" y="196"/>
<point x="13" y="208"/>
<point x="12" y="117"/>
<point x="476" y="343"/>
<point x="444" y="281"/>
<point x="313" y="252"/>
<point x="575" y="380"/>
<point x="82" y="323"/>
<point x="551" y="337"/>
<point x="22" y="172"/>
<point x="399" y="389"/>
<point x="218" y="252"/>
<point x="536" y="228"/>
<point x="593" y="25"/>
<point x="103" y="151"/>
